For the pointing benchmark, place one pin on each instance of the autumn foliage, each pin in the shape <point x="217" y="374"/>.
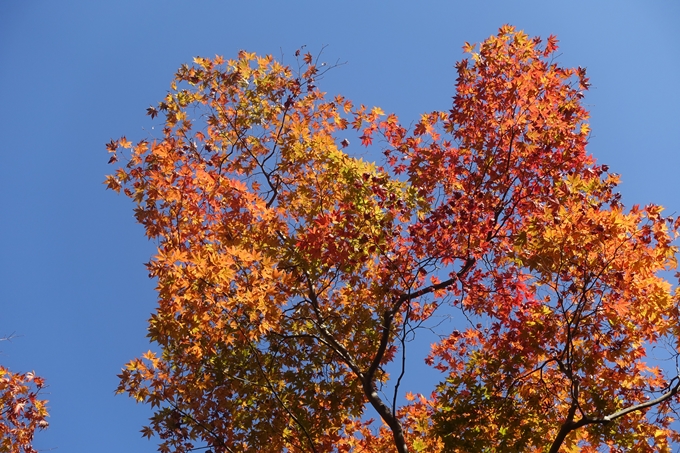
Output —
<point x="22" y="412"/>
<point x="293" y="275"/>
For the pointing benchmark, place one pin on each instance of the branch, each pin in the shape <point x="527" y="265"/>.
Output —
<point x="8" y="337"/>
<point x="569" y="425"/>
<point x="369" y="387"/>
<point x="388" y="317"/>
<point x="207" y="429"/>
<point x="402" y="340"/>
<point x="386" y="414"/>
<point x="276" y="394"/>
<point x="638" y="407"/>
<point x="432" y="288"/>
<point x="330" y="339"/>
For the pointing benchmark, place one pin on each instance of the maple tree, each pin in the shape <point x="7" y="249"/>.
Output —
<point x="22" y="412"/>
<point x="292" y="275"/>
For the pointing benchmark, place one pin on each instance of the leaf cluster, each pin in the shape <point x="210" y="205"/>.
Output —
<point x="22" y="412"/>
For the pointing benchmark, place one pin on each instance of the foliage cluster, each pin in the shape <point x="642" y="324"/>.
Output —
<point x="22" y="412"/>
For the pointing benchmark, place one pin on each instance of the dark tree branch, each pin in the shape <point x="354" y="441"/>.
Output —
<point x="368" y="382"/>
<point x="330" y="339"/>
<point x="402" y="340"/>
<point x="273" y="391"/>
<point x="217" y="439"/>
<point x="432" y="288"/>
<point x="569" y="425"/>
<point x="637" y="407"/>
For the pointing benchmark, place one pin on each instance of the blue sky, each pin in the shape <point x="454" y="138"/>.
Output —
<point x="74" y="74"/>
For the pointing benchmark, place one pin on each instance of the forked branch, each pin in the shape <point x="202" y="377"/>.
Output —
<point x="570" y="425"/>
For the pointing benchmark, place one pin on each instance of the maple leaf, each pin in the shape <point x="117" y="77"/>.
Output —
<point x="366" y="140"/>
<point x="124" y="143"/>
<point x="152" y="112"/>
<point x="112" y="146"/>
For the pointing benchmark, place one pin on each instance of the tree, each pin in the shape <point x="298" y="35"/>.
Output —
<point x="21" y="411"/>
<point x="291" y="274"/>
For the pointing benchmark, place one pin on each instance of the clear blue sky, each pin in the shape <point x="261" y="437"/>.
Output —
<point x="74" y="74"/>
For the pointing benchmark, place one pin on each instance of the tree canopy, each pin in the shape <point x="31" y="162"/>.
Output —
<point x="293" y="275"/>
